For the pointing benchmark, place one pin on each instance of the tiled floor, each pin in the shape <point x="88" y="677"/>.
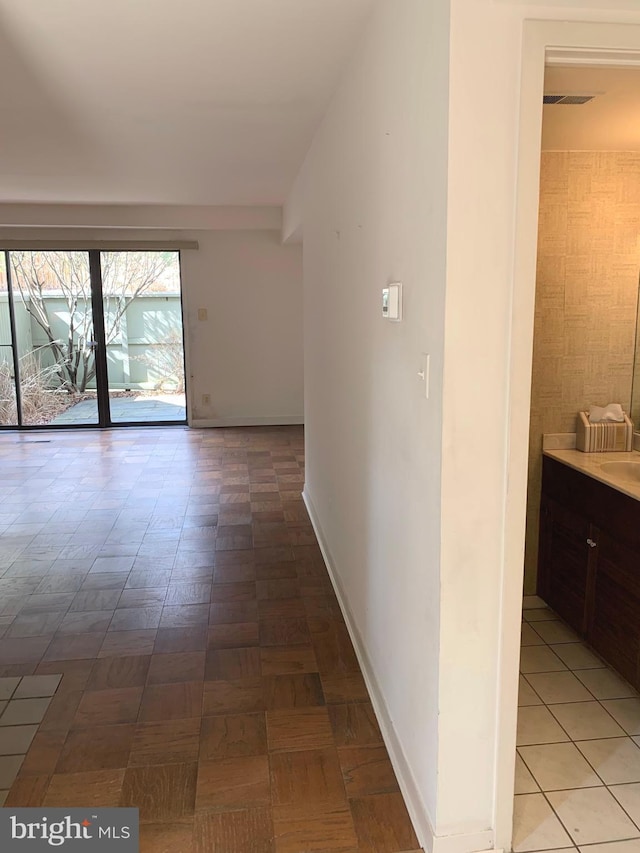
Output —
<point x="173" y="577"/>
<point x="23" y="703"/>
<point x="578" y="763"/>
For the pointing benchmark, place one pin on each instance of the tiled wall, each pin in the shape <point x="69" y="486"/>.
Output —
<point x="587" y="287"/>
<point x="635" y="395"/>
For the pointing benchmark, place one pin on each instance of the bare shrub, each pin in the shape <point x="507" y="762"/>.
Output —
<point x="7" y="396"/>
<point x="40" y="404"/>
<point x="126" y="276"/>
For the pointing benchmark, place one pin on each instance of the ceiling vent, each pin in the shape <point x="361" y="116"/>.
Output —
<point x="567" y="99"/>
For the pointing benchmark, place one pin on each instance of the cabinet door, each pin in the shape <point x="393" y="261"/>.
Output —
<point x="564" y="559"/>
<point x="614" y="623"/>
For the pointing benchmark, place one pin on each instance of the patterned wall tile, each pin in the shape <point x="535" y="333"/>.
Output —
<point x="586" y="298"/>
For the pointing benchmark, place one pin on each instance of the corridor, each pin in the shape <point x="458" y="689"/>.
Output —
<point x="173" y="580"/>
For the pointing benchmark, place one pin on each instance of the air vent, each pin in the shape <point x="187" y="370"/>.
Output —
<point x="567" y="99"/>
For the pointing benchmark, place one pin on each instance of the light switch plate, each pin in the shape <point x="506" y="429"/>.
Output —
<point x="202" y="314"/>
<point x="392" y="301"/>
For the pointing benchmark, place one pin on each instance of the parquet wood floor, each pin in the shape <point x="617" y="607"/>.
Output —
<point x="173" y="577"/>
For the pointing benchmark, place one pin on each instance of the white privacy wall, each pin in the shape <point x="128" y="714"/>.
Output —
<point x="247" y="355"/>
<point x="420" y="504"/>
<point x="373" y="192"/>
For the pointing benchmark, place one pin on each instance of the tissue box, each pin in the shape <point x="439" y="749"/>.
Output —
<point x="598" y="438"/>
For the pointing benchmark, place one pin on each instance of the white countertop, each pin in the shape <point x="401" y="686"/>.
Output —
<point x="591" y="465"/>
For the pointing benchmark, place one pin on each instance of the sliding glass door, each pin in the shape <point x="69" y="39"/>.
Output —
<point x="143" y="334"/>
<point x="90" y="339"/>
<point x="54" y="338"/>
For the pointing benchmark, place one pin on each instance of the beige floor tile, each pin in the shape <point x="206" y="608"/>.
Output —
<point x="539" y="659"/>
<point x="35" y="686"/>
<point x="527" y="695"/>
<point x="7" y="686"/>
<point x="556" y="632"/>
<point x="626" y="712"/>
<point x="538" y="614"/>
<point x="532" y="602"/>
<point x="629" y="798"/>
<point x="630" y="846"/>
<point x="24" y="711"/>
<point x="616" y="760"/>
<point x="556" y="687"/>
<point x="529" y="637"/>
<point x="16" y="740"/>
<point x="606" y="684"/>
<point x="558" y="766"/>
<point x="535" y="827"/>
<point x="537" y="725"/>
<point x="592" y="815"/>
<point x="525" y="783"/>
<point x="9" y="766"/>
<point x="586" y="720"/>
<point x="577" y="656"/>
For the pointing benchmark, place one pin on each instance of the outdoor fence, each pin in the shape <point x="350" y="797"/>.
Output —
<point x="145" y="351"/>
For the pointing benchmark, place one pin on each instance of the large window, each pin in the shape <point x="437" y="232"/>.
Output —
<point x="91" y="338"/>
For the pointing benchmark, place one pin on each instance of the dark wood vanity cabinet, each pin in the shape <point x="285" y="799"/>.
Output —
<point x="613" y="627"/>
<point x="564" y="562"/>
<point x="589" y="563"/>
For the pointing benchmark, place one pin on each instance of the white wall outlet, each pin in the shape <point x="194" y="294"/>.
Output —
<point x="392" y="301"/>
<point x="202" y="314"/>
<point x="206" y="399"/>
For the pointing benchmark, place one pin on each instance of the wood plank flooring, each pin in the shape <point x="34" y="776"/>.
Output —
<point x="174" y="579"/>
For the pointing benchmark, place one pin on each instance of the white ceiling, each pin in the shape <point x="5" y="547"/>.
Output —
<point x="151" y="101"/>
<point x="611" y="122"/>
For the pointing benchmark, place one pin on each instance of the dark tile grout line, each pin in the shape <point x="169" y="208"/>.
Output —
<point x="549" y="708"/>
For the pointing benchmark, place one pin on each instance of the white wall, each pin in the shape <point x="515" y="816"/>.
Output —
<point x="420" y="504"/>
<point x="248" y="354"/>
<point x="374" y="209"/>
<point x="487" y="369"/>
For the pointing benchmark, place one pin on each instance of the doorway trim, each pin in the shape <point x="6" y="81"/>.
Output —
<point x="595" y="43"/>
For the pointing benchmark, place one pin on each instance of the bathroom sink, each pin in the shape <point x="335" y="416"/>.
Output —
<point x="629" y="471"/>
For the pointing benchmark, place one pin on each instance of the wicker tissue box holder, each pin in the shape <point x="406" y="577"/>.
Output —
<point x="598" y="438"/>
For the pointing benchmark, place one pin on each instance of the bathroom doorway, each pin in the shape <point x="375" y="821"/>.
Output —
<point x="588" y="260"/>
<point x="560" y="784"/>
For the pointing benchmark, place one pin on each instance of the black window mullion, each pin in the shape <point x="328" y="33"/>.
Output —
<point x="100" y="351"/>
<point x="184" y="345"/>
<point x="14" y="339"/>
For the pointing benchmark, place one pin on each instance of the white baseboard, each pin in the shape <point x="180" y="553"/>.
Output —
<point x="421" y="821"/>
<point x="432" y="843"/>
<point x="470" y="842"/>
<point x="286" y="420"/>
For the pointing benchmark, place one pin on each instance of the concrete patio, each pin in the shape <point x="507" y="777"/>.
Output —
<point x="142" y="409"/>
